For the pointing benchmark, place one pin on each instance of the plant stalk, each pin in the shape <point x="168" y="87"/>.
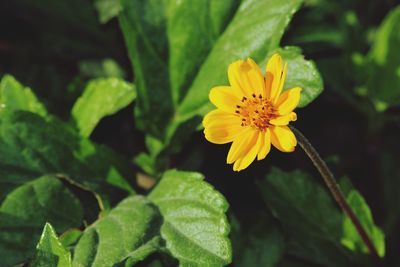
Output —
<point x="335" y="190"/>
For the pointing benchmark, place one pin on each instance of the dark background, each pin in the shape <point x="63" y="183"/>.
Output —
<point x="50" y="47"/>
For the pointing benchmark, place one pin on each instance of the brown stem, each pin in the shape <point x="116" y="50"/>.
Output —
<point x="335" y="190"/>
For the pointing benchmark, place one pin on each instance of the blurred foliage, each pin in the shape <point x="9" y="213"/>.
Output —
<point x="96" y="93"/>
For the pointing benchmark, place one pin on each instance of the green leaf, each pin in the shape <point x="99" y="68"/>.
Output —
<point x="105" y="68"/>
<point x="143" y="24"/>
<point x="309" y="217"/>
<point x="102" y="97"/>
<point x="126" y="235"/>
<point x="201" y="39"/>
<point x="255" y="30"/>
<point x="193" y="27"/>
<point x="259" y="244"/>
<point x="107" y="9"/>
<point x="14" y="96"/>
<point x="30" y="147"/>
<point x="70" y="237"/>
<point x="50" y="251"/>
<point x="351" y="239"/>
<point x="293" y="262"/>
<point x="26" y="209"/>
<point x="301" y="72"/>
<point x="384" y="73"/>
<point x="195" y="226"/>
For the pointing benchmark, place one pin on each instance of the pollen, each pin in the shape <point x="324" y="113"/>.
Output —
<point x="256" y="112"/>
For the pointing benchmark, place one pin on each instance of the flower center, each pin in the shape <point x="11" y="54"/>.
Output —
<point x="256" y="112"/>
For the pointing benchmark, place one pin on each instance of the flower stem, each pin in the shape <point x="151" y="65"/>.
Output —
<point x="335" y="190"/>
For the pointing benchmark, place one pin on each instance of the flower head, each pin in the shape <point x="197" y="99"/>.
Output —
<point x="252" y="113"/>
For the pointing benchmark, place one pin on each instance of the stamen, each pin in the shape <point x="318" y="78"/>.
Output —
<point x="256" y="112"/>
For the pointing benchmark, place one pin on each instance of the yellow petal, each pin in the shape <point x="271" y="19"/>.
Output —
<point x="222" y="133"/>
<point x="217" y="115"/>
<point x="265" y="145"/>
<point x="281" y="82"/>
<point x="276" y="75"/>
<point x="250" y="154"/>
<point x="288" y="101"/>
<point x="224" y="98"/>
<point x="221" y="127"/>
<point x="242" y="144"/>
<point x="284" y="119"/>
<point x="254" y="66"/>
<point x="256" y="78"/>
<point x="268" y="84"/>
<point x="283" y="138"/>
<point x="246" y="78"/>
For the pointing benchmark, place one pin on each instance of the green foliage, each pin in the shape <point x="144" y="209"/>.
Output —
<point x="14" y="96"/>
<point x="201" y="39"/>
<point x="107" y="9"/>
<point x="105" y="68"/>
<point x="50" y="251"/>
<point x="351" y="239"/>
<point x="213" y="50"/>
<point x="301" y="73"/>
<point x="64" y="175"/>
<point x="185" y="217"/>
<point x="194" y="219"/>
<point x="69" y="238"/>
<point x="241" y="39"/>
<point x="294" y="196"/>
<point x="261" y="244"/>
<point x="384" y="59"/>
<point x="124" y="236"/>
<point x="27" y="208"/>
<point x="144" y="26"/>
<point x="31" y="146"/>
<point x="102" y="97"/>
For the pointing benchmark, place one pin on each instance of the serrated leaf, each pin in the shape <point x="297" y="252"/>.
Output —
<point x="307" y="212"/>
<point x="31" y="146"/>
<point x="14" y="96"/>
<point x="384" y="73"/>
<point x="102" y="97"/>
<point x="126" y="235"/>
<point x="26" y="209"/>
<point x="50" y="251"/>
<point x="301" y="72"/>
<point x="195" y="226"/>
<point x="351" y="239"/>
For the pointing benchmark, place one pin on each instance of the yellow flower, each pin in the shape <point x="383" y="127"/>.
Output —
<point x="252" y="113"/>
